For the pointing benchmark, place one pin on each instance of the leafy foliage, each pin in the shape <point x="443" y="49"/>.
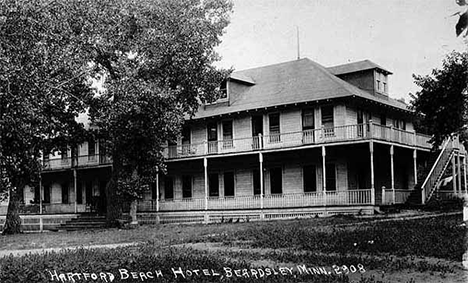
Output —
<point x="442" y="101"/>
<point x="155" y="58"/>
<point x="43" y="87"/>
<point x="462" y="23"/>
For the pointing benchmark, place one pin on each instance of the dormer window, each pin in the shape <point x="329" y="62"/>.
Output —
<point x="381" y="82"/>
<point x="223" y="90"/>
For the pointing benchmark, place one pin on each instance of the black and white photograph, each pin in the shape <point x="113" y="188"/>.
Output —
<point x="319" y="141"/>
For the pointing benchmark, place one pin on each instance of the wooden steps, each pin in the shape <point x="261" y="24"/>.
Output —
<point x="84" y="222"/>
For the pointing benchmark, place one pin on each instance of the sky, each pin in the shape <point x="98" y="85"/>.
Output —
<point x="405" y="37"/>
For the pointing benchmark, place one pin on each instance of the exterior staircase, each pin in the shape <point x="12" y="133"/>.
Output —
<point x="434" y="177"/>
<point x="84" y="221"/>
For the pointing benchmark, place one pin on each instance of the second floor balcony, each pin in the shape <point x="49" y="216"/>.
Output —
<point x="66" y="162"/>
<point x="347" y="133"/>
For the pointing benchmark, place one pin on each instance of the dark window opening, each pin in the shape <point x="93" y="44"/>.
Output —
<point x="65" y="193"/>
<point x="309" y="178"/>
<point x="308" y="119"/>
<point x="91" y="148"/>
<point x="383" y="120"/>
<point x="223" y="90"/>
<point x="37" y="194"/>
<point x="213" y="184"/>
<point x="46" y="194"/>
<point x="331" y="177"/>
<point x="186" y="186"/>
<point x="229" y="184"/>
<point x="274" y="120"/>
<point x="276" y="180"/>
<point x="89" y="192"/>
<point x="328" y="120"/>
<point x="168" y="187"/>
<point x="79" y="193"/>
<point x="256" y="181"/>
<point x="227" y="134"/>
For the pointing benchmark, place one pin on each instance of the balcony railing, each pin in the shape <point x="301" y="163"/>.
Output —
<point x="77" y="161"/>
<point x="300" y="138"/>
<point x="350" y="197"/>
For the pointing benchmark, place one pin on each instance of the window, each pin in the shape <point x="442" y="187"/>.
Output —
<point x="64" y="154"/>
<point x="65" y="193"/>
<point x="212" y="132"/>
<point x="256" y="181"/>
<point x="89" y="192"/>
<point x="186" y="140"/>
<point x="154" y="193"/>
<point x="185" y="134"/>
<point x="331" y="177"/>
<point x="227" y="134"/>
<point x="276" y="180"/>
<point x="229" y="184"/>
<point x="186" y="186"/>
<point x="309" y="178"/>
<point x="308" y="125"/>
<point x="37" y="194"/>
<point x="46" y="195"/>
<point x="91" y="150"/>
<point x="213" y="184"/>
<point x="399" y="124"/>
<point x="274" y="127"/>
<point x="223" y="90"/>
<point x="383" y="120"/>
<point x="168" y="187"/>
<point x="257" y="129"/>
<point x="308" y="119"/>
<point x="327" y="120"/>
<point x="79" y="193"/>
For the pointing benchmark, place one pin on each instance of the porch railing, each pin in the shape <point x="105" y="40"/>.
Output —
<point x="300" y="138"/>
<point x="350" y="197"/>
<point x="400" y="196"/>
<point x="76" y="161"/>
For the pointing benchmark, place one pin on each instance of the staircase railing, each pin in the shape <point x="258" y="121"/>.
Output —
<point x="429" y="185"/>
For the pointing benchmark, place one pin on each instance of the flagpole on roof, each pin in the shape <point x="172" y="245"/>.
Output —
<point x="298" y="47"/>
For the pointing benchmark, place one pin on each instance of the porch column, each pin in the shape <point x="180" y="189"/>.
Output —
<point x="454" y="179"/>
<point x="158" y="220"/>
<point x="459" y="172"/>
<point x="75" y="184"/>
<point x="324" y="176"/>
<point x="40" y="193"/>
<point x="205" y="165"/>
<point x="371" y="149"/>
<point x="392" y="173"/>
<point x="157" y="190"/>
<point x="464" y="174"/>
<point x="260" y="156"/>
<point x="41" y="225"/>
<point x="415" y="166"/>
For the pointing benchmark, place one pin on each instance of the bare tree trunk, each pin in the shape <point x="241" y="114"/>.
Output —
<point x="133" y="211"/>
<point x="13" y="220"/>
<point x="114" y="203"/>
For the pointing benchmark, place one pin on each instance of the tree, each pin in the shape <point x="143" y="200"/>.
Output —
<point x="43" y="86"/>
<point x="442" y="101"/>
<point x="462" y="23"/>
<point x="156" y="58"/>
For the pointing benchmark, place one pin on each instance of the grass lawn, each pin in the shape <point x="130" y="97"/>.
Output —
<point x="309" y="250"/>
